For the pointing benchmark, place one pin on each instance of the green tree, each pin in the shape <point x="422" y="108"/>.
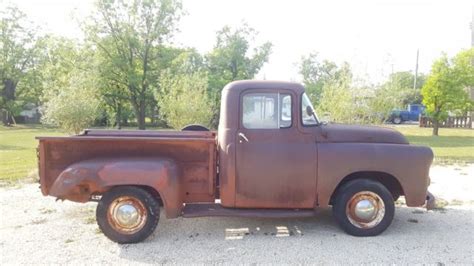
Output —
<point x="316" y="74"/>
<point x="336" y="100"/>
<point x="330" y="88"/>
<point x="394" y="94"/>
<point x="18" y="46"/>
<point x="185" y="61"/>
<point x="116" y="100"/>
<point x="233" y="59"/>
<point x="60" y="59"/>
<point x="75" y="107"/>
<point x="400" y="84"/>
<point x="183" y="99"/>
<point x="130" y="35"/>
<point x="463" y="68"/>
<point x="445" y="88"/>
<point x="68" y="77"/>
<point x="113" y="88"/>
<point x="383" y="102"/>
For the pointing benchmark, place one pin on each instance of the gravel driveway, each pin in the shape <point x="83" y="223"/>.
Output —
<point x="35" y="229"/>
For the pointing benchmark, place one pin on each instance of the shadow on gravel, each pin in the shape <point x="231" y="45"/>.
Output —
<point x="219" y="231"/>
<point x="214" y="236"/>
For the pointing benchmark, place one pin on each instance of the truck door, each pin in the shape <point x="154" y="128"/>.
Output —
<point x="275" y="162"/>
<point x="414" y="112"/>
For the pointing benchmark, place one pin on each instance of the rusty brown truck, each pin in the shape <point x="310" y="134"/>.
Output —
<point x="271" y="157"/>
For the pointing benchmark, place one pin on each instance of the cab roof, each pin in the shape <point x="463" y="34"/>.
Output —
<point x="241" y="85"/>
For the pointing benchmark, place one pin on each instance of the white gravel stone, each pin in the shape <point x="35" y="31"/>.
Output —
<point x="36" y="229"/>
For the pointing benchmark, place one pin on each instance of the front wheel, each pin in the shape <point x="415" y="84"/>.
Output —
<point x="127" y="214"/>
<point x="363" y="208"/>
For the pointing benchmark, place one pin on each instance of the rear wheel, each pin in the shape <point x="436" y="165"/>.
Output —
<point x="363" y="208"/>
<point x="397" y="120"/>
<point x="195" y="127"/>
<point x="127" y="214"/>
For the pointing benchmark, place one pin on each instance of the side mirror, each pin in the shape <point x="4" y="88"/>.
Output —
<point x="309" y="110"/>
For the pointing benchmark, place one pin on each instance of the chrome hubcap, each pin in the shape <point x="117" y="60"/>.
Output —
<point x="127" y="215"/>
<point x="365" y="209"/>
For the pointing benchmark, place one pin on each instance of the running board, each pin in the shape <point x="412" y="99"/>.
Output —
<point x="213" y="209"/>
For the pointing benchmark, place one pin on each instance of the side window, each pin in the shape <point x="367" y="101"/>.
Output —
<point x="266" y="110"/>
<point x="307" y="112"/>
<point x="285" y="117"/>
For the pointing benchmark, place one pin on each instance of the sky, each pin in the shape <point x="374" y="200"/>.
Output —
<point x="375" y="37"/>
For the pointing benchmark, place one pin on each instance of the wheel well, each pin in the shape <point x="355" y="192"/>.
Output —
<point x="149" y="189"/>
<point x="154" y="193"/>
<point x="388" y="180"/>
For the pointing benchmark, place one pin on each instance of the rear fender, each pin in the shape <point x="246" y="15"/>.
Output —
<point x="81" y="180"/>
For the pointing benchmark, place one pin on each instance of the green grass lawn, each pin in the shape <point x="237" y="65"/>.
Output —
<point x="18" y="147"/>
<point x="18" y="150"/>
<point x="452" y="144"/>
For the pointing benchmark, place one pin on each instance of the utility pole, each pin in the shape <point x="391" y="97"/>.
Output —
<point x="391" y="78"/>
<point x="416" y="68"/>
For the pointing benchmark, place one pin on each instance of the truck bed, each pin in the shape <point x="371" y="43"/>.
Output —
<point x="193" y="151"/>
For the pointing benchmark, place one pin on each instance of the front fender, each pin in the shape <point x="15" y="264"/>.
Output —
<point x="81" y="180"/>
<point x="409" y="164"/>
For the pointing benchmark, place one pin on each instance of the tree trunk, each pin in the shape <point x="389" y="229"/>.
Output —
<point x="9" y="88"/>
<point x="141" y="115"/>
<point x="118" y="117"/>
<point x="153" y="115"/>
<point x="8" y="95"/>
<point x="139" y="105"/>
<point x="233" y="70"/>
<point x="435" y="127"/>
<point x="5" y="119"/>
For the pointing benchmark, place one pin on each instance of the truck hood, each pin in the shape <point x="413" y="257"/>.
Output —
<point x="361" y="134"/>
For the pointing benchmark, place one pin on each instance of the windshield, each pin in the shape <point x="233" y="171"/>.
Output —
<point x="309" y="118"/>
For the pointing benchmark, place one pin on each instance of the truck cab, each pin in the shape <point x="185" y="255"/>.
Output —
<point x="271" y="157"/>
<point x="266" y="128"/>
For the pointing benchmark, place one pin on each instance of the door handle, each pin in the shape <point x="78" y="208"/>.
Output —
<point x="243" y="137"/>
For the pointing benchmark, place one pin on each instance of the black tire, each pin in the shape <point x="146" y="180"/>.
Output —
<point x="353" y="188"/>
<point x="397" y="120"/>
<point x="139" y="196"/>
<point x="195" y="127"/>
<point x="395" y="196"/>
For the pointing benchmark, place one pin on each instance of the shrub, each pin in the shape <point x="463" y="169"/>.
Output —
<point x="183" y="99"/>
<point x="72" y="109"/>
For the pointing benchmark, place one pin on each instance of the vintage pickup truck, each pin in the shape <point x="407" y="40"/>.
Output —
<point x="270" y="157"/>
<point x="412" y="113"/>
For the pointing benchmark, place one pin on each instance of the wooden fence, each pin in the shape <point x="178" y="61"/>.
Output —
<point x="452" y="121"/>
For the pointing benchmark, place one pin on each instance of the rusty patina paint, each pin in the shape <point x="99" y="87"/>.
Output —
<point x="83" y="179"/>
<point x="299" y="167"/>
<point x="75" y="168"/>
